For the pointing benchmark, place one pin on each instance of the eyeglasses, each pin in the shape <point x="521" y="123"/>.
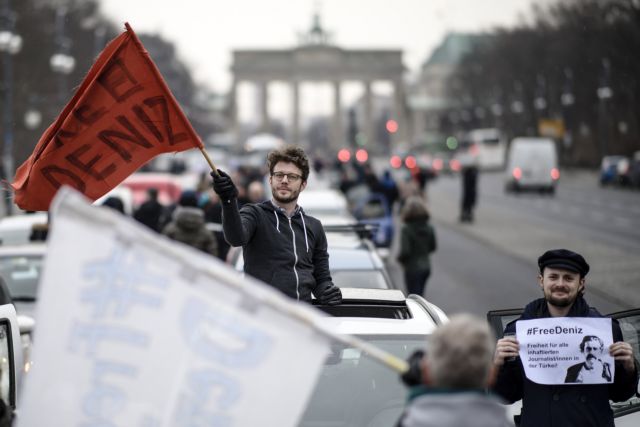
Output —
<point x="291" y="177"/>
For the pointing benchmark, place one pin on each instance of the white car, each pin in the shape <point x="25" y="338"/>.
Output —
<point x="353" y="389"/>
<point x="16" y="229"/>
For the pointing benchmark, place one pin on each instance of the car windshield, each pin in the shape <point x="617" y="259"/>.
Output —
<point x="359" y="279"/>
<point x="22" y="274"/>
<point x="355" y="390"/>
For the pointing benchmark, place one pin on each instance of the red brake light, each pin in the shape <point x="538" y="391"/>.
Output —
<point x="362" y="155"/>
<point x="454" y="165"/>
<point x="344" y="155"/>
<point x="410" y="162"/>
<point x="395" y="162"/>
<point x="437" y="164"/>
<point x="517" y="173"/>
<point x="555" y="174"/>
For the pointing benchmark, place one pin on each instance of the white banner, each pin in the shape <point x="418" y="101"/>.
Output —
<point x="566" y="350"/>
<point x="136" y="331"/>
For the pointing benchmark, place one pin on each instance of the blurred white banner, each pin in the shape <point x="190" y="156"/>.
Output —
<point x="135" y="330"/>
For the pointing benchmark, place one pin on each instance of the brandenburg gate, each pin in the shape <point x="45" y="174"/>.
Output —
<point x="316" y="60"/>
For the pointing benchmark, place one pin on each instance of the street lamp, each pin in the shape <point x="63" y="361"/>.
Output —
<point x="10" y="44"/>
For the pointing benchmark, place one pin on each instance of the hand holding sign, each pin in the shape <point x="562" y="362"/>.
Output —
<point x="623" y="352"/>
<point x="507" y="349"/>
<point x="565" y="350"/>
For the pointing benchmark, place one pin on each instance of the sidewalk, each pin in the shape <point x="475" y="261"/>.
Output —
<point x="615" y="273"/>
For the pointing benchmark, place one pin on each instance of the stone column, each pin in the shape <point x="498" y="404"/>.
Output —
<point x="263" y="87"/>
<point x="234" y="126"/>
<point x="398" y="104"/>
<point x="338" y="137"/>
<point x="367" y="123"/>
<point x="295" y="110"/>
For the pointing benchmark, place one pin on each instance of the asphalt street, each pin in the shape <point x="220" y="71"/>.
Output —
<point x="491" y="264"/>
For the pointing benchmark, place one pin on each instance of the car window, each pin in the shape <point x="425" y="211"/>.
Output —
<point x="359" y="279"/>
<point x="22" y="274"/>
<point x="355" y="390"/>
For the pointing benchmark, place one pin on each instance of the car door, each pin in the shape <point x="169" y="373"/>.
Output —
<point x="498" y="319"/>
<point x="627" y="413"/>
<point x="10" y="355"/>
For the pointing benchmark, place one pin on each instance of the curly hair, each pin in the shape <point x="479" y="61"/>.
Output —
<point x="289" y="154"/>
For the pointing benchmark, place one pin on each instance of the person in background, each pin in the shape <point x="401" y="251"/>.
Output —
<point x="454" y="372"/>
<point x="469" y="174"/>
<point x="115" y="203"/>
<point x="151" y="211"/>
<point x="255" y="192"/>
<point x="417" y="242"/>
<point x="281" y="244"/>
<point x="562" y="281"/>
<point x="188" y="226"/>
<point x="389" y="188"/>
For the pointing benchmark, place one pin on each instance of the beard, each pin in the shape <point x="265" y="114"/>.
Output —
<point x="560" y="302"/>
<point x="292" y="197"/>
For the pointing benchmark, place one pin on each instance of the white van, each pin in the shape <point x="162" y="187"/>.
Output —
<point x="532" y="164"/>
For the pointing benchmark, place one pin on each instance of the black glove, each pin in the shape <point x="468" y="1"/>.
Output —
<point x="330" y="295"/>
<point x="413" y="376"/>
<point x="224" y="186"/>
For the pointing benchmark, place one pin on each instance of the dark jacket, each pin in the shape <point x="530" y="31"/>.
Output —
<point x="290" y="254"/>
<point x="417" y="242"/>
<point x="563" y="405"/>
<point x="188" y="227"/>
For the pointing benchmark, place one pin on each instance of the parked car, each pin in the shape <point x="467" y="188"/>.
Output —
<point x="353" y="389"/>
<point x="613" y="169"/>
<point x="21" y="268"/>
<point x="354" y="262"/>
<point x="626" y="414"/>
<point x="324" y="203"/>
<point x="532" y="164"/>
<point x="10" y="356"/>
<point x="375" y="210"/>
<point x="17" y="229"/>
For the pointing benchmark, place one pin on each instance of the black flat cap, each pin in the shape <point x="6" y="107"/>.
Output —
<point x="563" y="259"/>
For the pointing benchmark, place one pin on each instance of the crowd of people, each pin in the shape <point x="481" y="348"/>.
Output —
<point x="464" y="376"/>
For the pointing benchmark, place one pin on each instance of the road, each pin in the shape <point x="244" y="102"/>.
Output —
<point x="491" y="264"/>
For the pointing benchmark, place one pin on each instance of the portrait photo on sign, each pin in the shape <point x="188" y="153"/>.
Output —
<point x="566" y="350"/>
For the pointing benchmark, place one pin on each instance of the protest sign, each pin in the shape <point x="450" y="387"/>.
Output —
<point x="122" y="115"/>
<point x="137" y="330"/>
<point x="566" y="350"/>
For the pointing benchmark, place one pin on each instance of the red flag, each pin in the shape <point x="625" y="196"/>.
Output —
<point x="122" y="115"/>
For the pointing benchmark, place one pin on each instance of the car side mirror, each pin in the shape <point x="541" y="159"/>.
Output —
<point x="25" y="324"/>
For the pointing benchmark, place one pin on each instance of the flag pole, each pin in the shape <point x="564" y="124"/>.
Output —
<point x="208" y="159"/>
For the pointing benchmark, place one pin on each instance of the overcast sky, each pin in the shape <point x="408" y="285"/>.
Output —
<point x="206" y="31"/>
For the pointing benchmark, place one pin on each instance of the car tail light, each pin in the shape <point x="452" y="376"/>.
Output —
<point x="410" y="162"/>
<point x="344" y="155"/>
<point x="517" y="173"/>
<point x="362" y="155"/>
<point x="395" y="162"/>
<point x="437" y="164"/>
<point x="555" y="174"/>
<point x="454" y="165"/>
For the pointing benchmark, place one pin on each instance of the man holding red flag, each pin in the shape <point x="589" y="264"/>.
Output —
<point x="122" y="115"/>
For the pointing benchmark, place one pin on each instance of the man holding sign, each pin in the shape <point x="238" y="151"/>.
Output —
<point x="543" y="331"/>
